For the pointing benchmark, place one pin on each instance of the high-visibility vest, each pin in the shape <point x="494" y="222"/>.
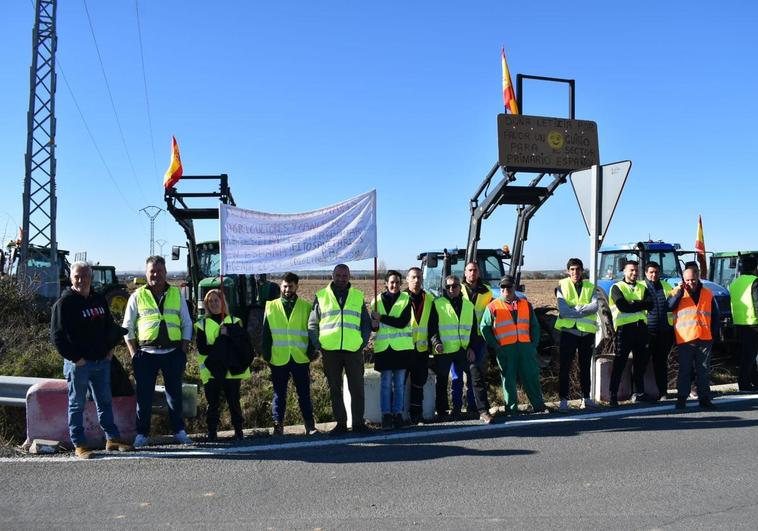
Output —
<point x="666" y="290"/>
<point x="454" y="331"/>
<point x="389" y="336"/>
<point x="340" y="328"/>
<point x="150" y="317"/>
<point x="693" y="321"/>
<point x="504" y="328"/>
<point x="212" y="330"/>
<point x="588" y="323"/>
<point x="420" y="324"/>
<point x="743" y="306"/>
<point x="631" y="294"/>
<point x="289" y="335"/>
<point x="482" y="300"/>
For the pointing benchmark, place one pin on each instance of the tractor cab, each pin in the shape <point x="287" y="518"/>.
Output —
<point x="436" y="265"/>
<point x="725" y="267"/>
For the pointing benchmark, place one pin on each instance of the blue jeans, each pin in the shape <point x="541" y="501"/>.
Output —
<point x="392" y="402"/>
<point x="302" y="377"/>
<point x="146" y="367"/>
<point x="95" y="376"/>
<point x="457" y="370"/>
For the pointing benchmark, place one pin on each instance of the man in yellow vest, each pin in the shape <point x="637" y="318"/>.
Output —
<point x="159" y="331"/>
<point x="659" y="326"/>
<point x="474" y="366"/>
<point x="577" y="321"/>
<point x="339" y="327"/>
<point x="696" y="323"/>
<point x="630" y="301"/>
<point x="451" y="329"/>
<point x="421" y="308"/>
<point x="286" y="348"/>
<point x="511" y="328"/>
<point x="744" y="297"/>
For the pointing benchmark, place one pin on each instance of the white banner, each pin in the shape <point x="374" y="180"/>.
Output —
<point x="260" y="242"/>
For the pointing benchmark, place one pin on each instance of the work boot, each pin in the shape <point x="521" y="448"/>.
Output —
<point x="399" y="421"/>
<point x="339" y="429"/>
<point x="456" y="413"/>
<point x="239" y="435"/>
<point x="212" y="435"/>
<point x="442" y="416"/>
<point x="614" y="402"/>
<point x="118" y="445"/>
<point x="278" y="429"/>
<point x="82" y="452"/>
<point x="387" y="422"/>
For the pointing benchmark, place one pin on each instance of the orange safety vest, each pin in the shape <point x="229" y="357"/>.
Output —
<point x="693" y="321"/>
<point x="506" y="330"/>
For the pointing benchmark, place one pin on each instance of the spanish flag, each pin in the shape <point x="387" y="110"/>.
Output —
<point x="700" y="249"/>
<point x="174" y="171"/>
<point x="509" y="97"/>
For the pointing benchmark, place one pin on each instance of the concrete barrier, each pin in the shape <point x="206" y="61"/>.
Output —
<point x="601" y="379"/>
<point x="47" y="412"/>
<point x="47" y="415"/>
<point x="372" y="384"/>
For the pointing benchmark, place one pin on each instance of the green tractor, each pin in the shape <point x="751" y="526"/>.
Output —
<point x="106" y="282"/>
<point x="725" y="267"/>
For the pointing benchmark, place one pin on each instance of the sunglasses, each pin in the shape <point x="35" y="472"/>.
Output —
<point x="451" y="286"/>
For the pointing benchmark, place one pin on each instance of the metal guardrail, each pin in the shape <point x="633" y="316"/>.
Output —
<point x="13" y="391"/>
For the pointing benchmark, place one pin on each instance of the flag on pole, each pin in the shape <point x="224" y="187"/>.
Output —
<point x="509" y="97"/>
<point x="700" y="249"/>
<point x="174" y="171"/>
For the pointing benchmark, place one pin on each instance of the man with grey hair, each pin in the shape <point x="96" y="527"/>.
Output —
<point x="81" y="328"/>
<point x="159" y="331"/>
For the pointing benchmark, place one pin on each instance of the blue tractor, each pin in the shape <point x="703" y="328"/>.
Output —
<point x="614" y="257"/>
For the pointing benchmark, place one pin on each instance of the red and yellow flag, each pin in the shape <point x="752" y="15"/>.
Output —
<point x="509" y="96"/>
<point x="700" y="249"/>
<point x="174" y="171"/>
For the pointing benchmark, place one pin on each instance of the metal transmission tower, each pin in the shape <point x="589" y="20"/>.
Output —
<point x="39" y="235"/>
<point x="152" y="212"/>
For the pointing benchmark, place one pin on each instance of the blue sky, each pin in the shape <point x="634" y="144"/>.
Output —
<point x="305" y="104"/>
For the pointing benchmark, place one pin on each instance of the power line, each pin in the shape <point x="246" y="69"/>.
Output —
<point x="110" y="97"/>
<point x="92" y="137"/>
<point x="144" y="80"/>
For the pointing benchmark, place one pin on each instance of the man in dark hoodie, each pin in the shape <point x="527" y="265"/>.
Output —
<point x="82" y="330"/>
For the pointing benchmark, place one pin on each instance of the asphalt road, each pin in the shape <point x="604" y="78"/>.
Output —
<point x="648" y="468"/>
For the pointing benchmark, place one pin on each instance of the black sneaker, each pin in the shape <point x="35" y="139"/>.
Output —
<point x="362" y="428"/>
<point x="239" y="435"/>
<point x="442" y="417"/>
<point x="681" y="403"/>
<point x="339" y="429"/>
<point x="398" y="421"/>
<point x="456" y="414"/>
<point x="387" y="422"/>
<point x="278" y="428"/>
<point x="707" y="404"/>
<point x="614" y="401"/>
<point x="212" y="436"/>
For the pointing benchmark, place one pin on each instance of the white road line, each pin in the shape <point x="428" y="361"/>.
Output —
<point x="381" y="437"/>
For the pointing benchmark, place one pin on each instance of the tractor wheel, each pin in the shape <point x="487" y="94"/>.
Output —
<point x="117" y="300"/>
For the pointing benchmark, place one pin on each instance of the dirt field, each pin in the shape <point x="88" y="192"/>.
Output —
<point x="539" y="292"/>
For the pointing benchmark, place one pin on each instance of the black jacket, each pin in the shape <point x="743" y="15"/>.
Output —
<point x="83" y="327"/>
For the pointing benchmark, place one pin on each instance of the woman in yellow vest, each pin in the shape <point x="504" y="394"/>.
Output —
<point x="224" y="356"/>
<point x="393" y="347"/>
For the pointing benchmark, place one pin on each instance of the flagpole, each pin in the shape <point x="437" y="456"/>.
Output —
<point x="376" y="289"/>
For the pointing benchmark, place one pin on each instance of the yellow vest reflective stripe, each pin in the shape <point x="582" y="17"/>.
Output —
<point x="421" y="326"/>
<point x="340" y="328"/>
<point x="212" y="330"/>
<point x="454" y="331"/>
<point x="743" y="306"/>
<point x="149" y="317"/>
<point x="631" y="294"/>
<point x="666" y="290"/>
<point x="482" y="300"/>
<point x="289" y="336"/>
<point x="389" y="336"/>
<point x="588" y="323"/>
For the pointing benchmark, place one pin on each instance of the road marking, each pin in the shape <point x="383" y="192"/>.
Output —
<point x="381" y="437"/>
